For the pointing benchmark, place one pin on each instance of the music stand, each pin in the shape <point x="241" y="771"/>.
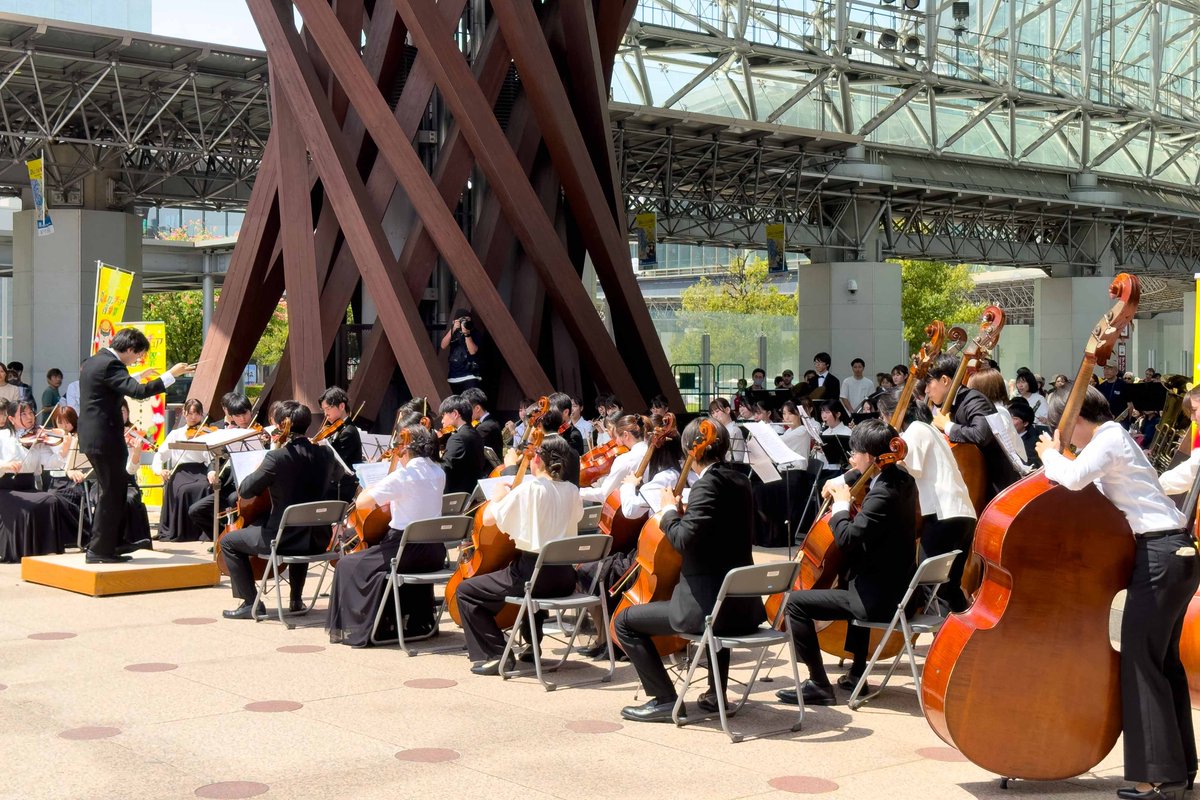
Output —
<point x="217" y="445"/>
<point x="772" y="460"/>
<point x="838" y="447"/>
<point x="78" y="461"/>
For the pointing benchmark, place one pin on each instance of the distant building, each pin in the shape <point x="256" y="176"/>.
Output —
<point x="128" y="15"/>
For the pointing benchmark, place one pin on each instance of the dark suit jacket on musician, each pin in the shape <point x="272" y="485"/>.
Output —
<point x="879" y="542"/>
<point x="970" y="413"/>
<point x="298" y="472"/>
<point x="575" y="439"/>
<point x="464" y="461"/>
<point x="489" y="430"/>
<point x="348" y="445"/>
<point x="103" y="381"/>
<point x="713" y="536"/>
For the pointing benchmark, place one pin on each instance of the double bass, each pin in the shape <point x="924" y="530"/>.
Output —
<point x="1053" y="561"/>
<point x="251" y="511"/>
<point x="491" y="548"/>
<point x="821" y="561"/>
<point x="613" y="522"/>
<point x="655" y="570"/>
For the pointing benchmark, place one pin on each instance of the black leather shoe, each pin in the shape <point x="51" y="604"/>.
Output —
<point x="525" y="654"/>
<point x="491" y="667"/>
<point x="241" y="612"/>
<point x="849" y="681"/>
<point x="97" y="558"/>
<point x="814" y="695"/>
<point x="1191" y="780"/>
<point x="297" y="606"/>
<point x="129" y="547"/>
<point x="596" y="651"/>
<point x="708" y="703"/>
<point x="653" y="711"/>
<point x="1163" y="791"/>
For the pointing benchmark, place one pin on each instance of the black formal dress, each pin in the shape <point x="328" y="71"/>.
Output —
<point x="298" y="472"/>
<point x="969" y="415"/>
<point x="713" y="537"/>
<point x="878" y="545"/>
<point x="464" y="461"/>
<point x="103" y="382"/>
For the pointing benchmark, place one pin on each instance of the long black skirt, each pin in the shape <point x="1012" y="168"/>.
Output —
<point x="69" y="495"/>
<point x="358" y="589"/>
<point x="32" y="524"/>
<point x="186" y="486"/>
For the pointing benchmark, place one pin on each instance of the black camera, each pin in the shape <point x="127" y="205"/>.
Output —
<point x="465" y="324"/>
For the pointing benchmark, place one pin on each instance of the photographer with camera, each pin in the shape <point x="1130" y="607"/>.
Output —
<point x="464" y="368"/>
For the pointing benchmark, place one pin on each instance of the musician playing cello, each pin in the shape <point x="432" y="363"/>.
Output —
<point x="713" y="537"/>
<point x="1160" y="746"/>
<point x="877" y="545"/>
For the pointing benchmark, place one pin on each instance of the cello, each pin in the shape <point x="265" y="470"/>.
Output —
<point x="1053" y="561"/>
<point x="655" y="571"/>
<point x="1189" y="640"/>
<point x="820" y="559"/>
<point x="613" y="522"/>
<point x="251" y="511"/>
<point x="371" y="527"/>
<point x="491" y="548"/>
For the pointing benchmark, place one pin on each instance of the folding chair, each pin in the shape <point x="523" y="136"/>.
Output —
<point x="590" y="522"/>
<point x="758" y="580"/>
<point x="562" y="552"/>
<point x="453" y="503"/>
<point x="931" y="574"/>
<point x="448" y="531"/>
<point x="330" y="513"/>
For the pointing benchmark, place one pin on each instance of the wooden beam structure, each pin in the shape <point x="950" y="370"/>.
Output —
<point x="408" y="135"/>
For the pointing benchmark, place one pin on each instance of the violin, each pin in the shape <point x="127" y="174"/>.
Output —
<point x="624" y="530"/>
<point x="41" y="435"/>
<point x="327" y="430"/>
<point x="192" y="431"/>
<point x="597" y="462"/>
<point x="1053" y="561"/>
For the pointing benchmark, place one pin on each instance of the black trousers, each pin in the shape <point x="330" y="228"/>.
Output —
<point x="1160" y="745"/>
<point x="805" y="608"/>
<point x="635" y="628"/>
<point x="111" y="481"/>
<point x="481" y="598"/>
<point x="940" y="536"/>
<point x="238" y="546"/>
<point x="201" y="511"/>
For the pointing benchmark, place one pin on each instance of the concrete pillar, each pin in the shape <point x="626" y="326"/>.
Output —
<point x="208" y="294"/>
<point x="1064" y="311"/>
<point x="54" y="284"/>
<point x="864" y="323"/>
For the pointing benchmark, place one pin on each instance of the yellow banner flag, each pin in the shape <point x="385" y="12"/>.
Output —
<point x="112" y="293"/>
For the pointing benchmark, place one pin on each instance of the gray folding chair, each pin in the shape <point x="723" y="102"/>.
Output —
<point x="931" y="574"/>
<point x="590" y="522"/>
<point x="562" y="552"/>
<point x="453" y="503"/>
<point x="758" y="580"/>
<point x="327" y="513"/>
<point x="448" y="531"/>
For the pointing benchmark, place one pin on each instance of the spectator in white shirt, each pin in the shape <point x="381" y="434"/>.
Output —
<point x="855" y="390"/>
<point x="585" y="428"/>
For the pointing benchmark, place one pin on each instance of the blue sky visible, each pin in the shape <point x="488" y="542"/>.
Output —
<point x="219" y="21"/>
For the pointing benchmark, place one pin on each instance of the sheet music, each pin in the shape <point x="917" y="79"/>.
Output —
<point x="760" y="462"/>
<point x="488" y="486"/>
<point x="771" y="445"/>
<point x="373" y="444"/>
<point x="371" y="474"/>
<point x="336" y="457"/>
<point x="225" y="437"/>
<point x="76" y="459"/>
<point x="653" y="499"/>
<point x="244" y="463"/>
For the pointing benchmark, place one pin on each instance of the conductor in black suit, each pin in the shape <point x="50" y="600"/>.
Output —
<point x="713" y="536"/>
<point x="297" y="472"/>
<point x="485" y="424"/>
<point x="104" y="381"/>
<point x="879" y="548"/>
<point x="463" y="460"/>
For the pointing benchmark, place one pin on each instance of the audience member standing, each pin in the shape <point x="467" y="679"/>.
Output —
<point x="857" y="389"/>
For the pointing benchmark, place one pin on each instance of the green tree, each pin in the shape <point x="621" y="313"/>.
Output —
<point x="745" y="288"/>
<point x="183" y="313"/>
<point x="934" y="290"/>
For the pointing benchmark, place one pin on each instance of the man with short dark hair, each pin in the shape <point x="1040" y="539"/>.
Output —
<point x="857" y="389"/>
<point x="104" y="382"/>
<point x="758" y="379"/>
<point x="463" y="460"/>
<point x="562" y="403"/>
<point x="51" y="398"/>
<point x="485" y="424"/>
<point x="828" y="386"/>
<point x="345" y="441"/>
<point x="239" y="413"/>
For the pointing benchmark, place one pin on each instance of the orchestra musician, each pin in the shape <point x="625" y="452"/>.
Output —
<point x="585" y="428"/>
<point x="630" y="433"/>
<point x="561" y="403"/>
<point x="238" y="414"/>
<point x="413" y="491"/>
<point x="103" y="382"/>
<point x="877" y="545"/>
<point x="713" y="537"/>
<point x="1160" y="745"/>
<point x="463" y="460"/>
<point x="720" y="410"/>
<point x="184" y="478"/>
<point x="541" y="509"/>
<point x="484" y="423"/>
<point x="297" y="472"/>
<point x="345" y="440"/>
<point x="30" y="521"/>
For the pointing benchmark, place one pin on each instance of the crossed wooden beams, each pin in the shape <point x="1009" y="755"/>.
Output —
<point x="368" y="209"/>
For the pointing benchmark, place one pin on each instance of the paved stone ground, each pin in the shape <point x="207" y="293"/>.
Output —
<point x="156" y="696"/>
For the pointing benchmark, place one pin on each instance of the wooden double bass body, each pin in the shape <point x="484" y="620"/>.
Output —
<point x="1025" y="683"/>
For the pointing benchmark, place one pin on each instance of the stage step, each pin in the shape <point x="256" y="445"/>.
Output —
<point x="149" y="571"/>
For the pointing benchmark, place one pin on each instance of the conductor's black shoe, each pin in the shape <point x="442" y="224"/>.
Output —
<point x="97" y="558"/>
<point x="814" y="695"/>
<point x="244" y="611"/>
<point x="1163" y="791"/>
<point x="653" y="711"/>
<point x="129" y="547"/>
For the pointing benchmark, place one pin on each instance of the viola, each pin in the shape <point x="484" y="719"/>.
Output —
<point x="597" y="462"/>
<point x="655" y="570"/>
<point x="1053" y="560"/>
<point x="624" y="530"/>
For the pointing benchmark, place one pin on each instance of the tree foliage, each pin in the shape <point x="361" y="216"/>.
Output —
<point x="183" y="313"/>
<point x="934" y="290"/>
<point x="743" y="289"/>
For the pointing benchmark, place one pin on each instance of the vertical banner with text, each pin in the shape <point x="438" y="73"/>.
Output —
<point x="776" y="247"/>
<point x="37" y="183"/>
<point x="112" y="293"/>
<point x="149" y="416"/>
<point x="646" y="226"/>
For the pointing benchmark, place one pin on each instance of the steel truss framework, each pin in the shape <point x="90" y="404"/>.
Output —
<point x="165" y="121"/>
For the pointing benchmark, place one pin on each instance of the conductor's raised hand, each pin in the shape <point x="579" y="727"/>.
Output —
<point x="182" y="369"/>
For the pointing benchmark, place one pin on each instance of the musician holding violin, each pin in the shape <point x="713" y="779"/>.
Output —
<point x="239" y="413"/>
<point x="630" y="433"/>
<point x="712" y="536"/>
<point x="561" y="402"/>
<point x="340" y="433"/>
<point x="1160" y="745"/>
<point x="184" y="477"/>
<point x="412" y="491"/>
<point x="463" y="459"/>
<point x="297" y="472"/>
<point x="877" y="547"/>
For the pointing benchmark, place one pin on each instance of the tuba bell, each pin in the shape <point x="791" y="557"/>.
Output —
<point x="1172" y="425"/>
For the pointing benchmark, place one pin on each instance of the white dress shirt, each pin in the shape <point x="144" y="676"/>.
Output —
<point x="413" y="490"/>
<point x="622" y="466"/>
<point x="166" y="458"/>
<point x="633" y="501"/>
<point x="10" y="448"/>
<point x="799" y="440"/>
<point x="1040" y="407"/>
<point x="1179" y="479"/>
<point x="73" y="395"/>
<point x="585" y="429"/>
<point x="1119" y="468"/>
<point x="539" y="511"/>
<point x="939" y="483"/>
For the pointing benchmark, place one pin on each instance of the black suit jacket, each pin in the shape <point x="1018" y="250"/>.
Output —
<point x="879" y="542"/>
<point x="298" y="472"/>
<point x="464" y="461"/>
<point x="103" y="381"/>
<point x="1030" y="438"/>
<point x="348" y="445"/>
<point x="970" y="413"/>
<point x="575" y="439"/>
<point x="713" y="536"/>
<point x="489" y="430"/>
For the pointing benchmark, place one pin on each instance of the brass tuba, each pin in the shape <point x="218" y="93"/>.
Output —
<point x="1172" y="425"/>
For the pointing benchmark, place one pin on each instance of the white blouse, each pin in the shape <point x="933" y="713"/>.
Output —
<point x="633" y="501"/>
<point x="940" y="485"/>
<point x="539" y="511"/>
<point x="166" y="458"/>
<point x="413" y="491"/>
<point x="622" y="466"/>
